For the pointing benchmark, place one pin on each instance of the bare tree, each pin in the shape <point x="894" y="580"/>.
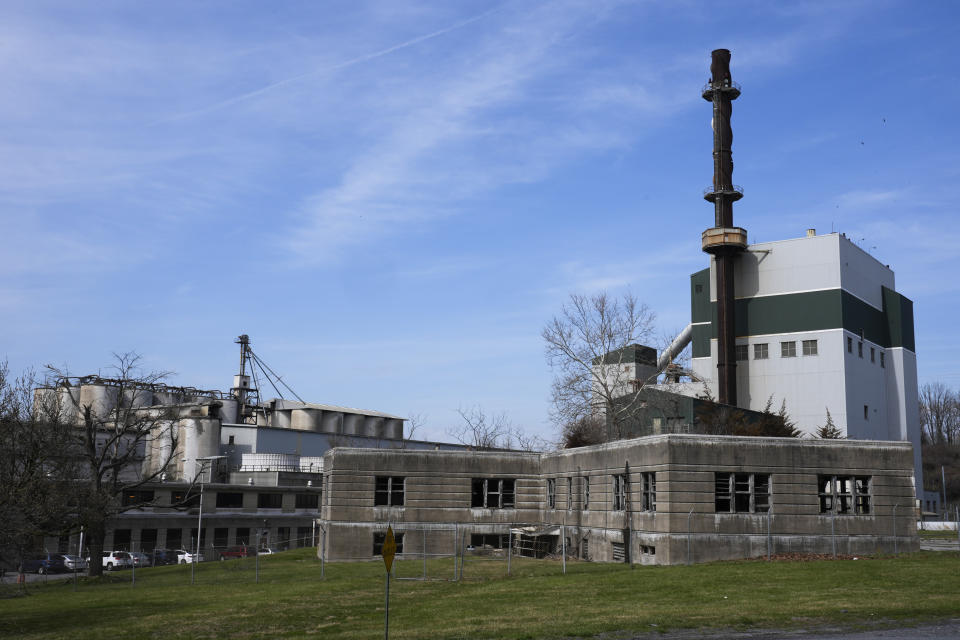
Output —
<point x="35" y="468"/>
<point x="483" y="431"/>
<point x="120" y="444"/>
<point x="592" y="348"/>
<point x="939" y="413"/>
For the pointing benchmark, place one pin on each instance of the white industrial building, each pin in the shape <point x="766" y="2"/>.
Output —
<point x="819" y="324"/>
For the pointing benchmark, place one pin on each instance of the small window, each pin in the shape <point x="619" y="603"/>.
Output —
<point x="229" y="500"/>
<point x="137" y="498"/>
<point x="269" y="500"/>
<point x="389" y="491"/>
<point x="873" y="355"/>
<point x="849" y="344"/>
<point x="761" y="351"/>
<point x="308" y="500"/>
<point x="788" y="349"/>
<point x="741" y="352"/>
<point x="569" y="493"/>
<point x="619" y="492"/>
<point x="860" y="349"/>
<point x="493" y="493"/>
<point x="551" y="493"/>
<point x="380" y="537"/>
<point x="882" y="363"/>
<point x="866" y="412"/>
<point x="230" y="440"/>
<point x="809" y="347"/>
<point x="742" y="492"/>
<point x="648" y="489"/>
<point x="844" y="495"/>
<point x="586" y="492"/>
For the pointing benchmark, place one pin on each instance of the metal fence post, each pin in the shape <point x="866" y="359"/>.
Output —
<point x="423" y="533"/>
<point x="895" y="551"/>
<point x="323" y="552"/>
<point x="833" y="531"/>
<point x="689" y="515"/>
<point x="463" y="552"/>
<point x="456" y="538"/>
<point x="510" y="548"/>
<point x="958" y="526"/>
<point x="769" y="538"/>
<point x="563" y="547"/>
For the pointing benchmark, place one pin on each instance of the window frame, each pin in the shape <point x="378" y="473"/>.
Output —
<point x="586" y="492"/>
<point x="741" y="352"/>
<point x="619" y="493"/>
<point x="761" y="351"/>
<point x="788" y="349"/>
<point x="386" y="493"/>
<point x="503" y="489"/>
<point x="379" y="537"/>
<point x="845" y="495"/>
<point x="551" y="493"/>
<point x="648" y="491"/>
<point x="743" y="492"/>
<point x="810" y="347"/>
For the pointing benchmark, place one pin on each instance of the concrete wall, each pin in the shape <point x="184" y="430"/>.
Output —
<point x="684" y="467"/>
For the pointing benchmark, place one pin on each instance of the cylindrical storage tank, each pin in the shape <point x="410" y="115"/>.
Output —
<point x="370" y="424"/>
<point x="45" y="406"/>
<point x="352" y="424"/>
<point x="281" y="419"/>
<point x="137" y="398"/>
<point x="305" y="419"/>
<point x="201" y="439"/>
<point x="394" y="429"/>
<point x="228" y="412"/>
<point x="69" y="401"/>
<point x="331" y="422"/>
<point x="99" y="397"/>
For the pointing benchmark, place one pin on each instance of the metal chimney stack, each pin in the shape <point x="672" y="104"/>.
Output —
<point x="723" y="241"/>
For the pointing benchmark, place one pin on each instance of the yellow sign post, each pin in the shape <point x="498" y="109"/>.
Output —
<point x="389" y="550"/>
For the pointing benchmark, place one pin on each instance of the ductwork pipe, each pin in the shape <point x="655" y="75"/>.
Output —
<point x="679" y="344"/>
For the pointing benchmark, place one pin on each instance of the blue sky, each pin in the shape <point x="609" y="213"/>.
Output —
<point x="392" y="198"/>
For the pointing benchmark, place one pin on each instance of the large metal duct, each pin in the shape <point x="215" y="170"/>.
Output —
<point x="679" y="344"/>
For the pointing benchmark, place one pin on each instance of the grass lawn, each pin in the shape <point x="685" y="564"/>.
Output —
<point x="937" y="535"/>
<point x="291" y="601"/>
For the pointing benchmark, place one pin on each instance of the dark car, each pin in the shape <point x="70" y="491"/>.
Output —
<point x="44" y="563"/>
<point x="163" y="557"/>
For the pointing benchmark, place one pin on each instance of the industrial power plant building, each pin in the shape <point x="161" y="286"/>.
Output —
<point x="815" y="322"/>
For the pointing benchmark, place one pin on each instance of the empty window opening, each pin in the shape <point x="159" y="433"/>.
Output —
<point x="230" y="500"/>
<point x="742" y="492"/>
<point x="586" y="492"/>
<point x="389" y="491"/>
<point x="493" y="493"/>
<point x="619" y="492"/>
<point x="269" y="500"/>
<point x="648" y="482"/>
<point x="551" y="493"/>
<point x="849" y="344"/>
<point x="569" y="493"/>
<point x="866" y="412"/>
<point x="844" y="495"/>
<point x="860" y="349"/>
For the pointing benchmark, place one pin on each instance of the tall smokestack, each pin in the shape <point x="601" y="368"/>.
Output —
<point x="724" y="241"/>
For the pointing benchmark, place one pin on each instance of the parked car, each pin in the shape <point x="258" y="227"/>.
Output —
<point x="43" y="563"/>
<point x="116" y="560"/>
<point x="141" y="559"/>
<point x="188" y="557"/>
<point x="75" y="563"/>
<point x="233" y="552"/>
<point x="265" y="552"/>
<point x="163" y="557"/>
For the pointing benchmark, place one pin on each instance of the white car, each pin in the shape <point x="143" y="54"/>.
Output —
<point x="116" y="560"/>
<point x="265" y="552"/>
<point x="187" y="557"/>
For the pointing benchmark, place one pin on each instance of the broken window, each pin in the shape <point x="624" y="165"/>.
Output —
<point x="619" y="492"/>
<point x="569" y="493"/>
<point x="551" y="493"/>
<point x="389" y="491"/>
<point x="229" y="500"/>
<point x="648" y="487"/>
<point x="379" y="537"/>
<point x="741" y="492"/>
<point x="586" y="492"/>
<point x="269" y="500"/>
<point x="493" y="493"/>
<point x="844" y="495"/>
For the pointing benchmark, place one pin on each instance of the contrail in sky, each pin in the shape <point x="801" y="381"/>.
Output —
<point x="336" y="67"/>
